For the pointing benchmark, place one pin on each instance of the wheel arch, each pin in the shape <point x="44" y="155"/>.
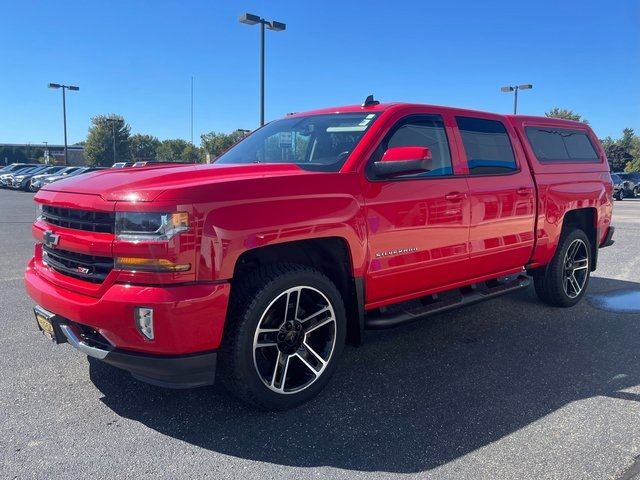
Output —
<point x="586" y="219"/>
<point x="329" y="255"/>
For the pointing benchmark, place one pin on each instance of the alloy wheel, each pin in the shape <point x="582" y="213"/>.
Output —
<point x="576" y="268"/>
<point x="294" y="340"/>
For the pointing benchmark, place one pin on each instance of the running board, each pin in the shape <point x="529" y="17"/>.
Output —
<point x="394" y="315"/>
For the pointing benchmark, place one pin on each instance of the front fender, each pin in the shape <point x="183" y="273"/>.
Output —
<point x="315" y="207"/>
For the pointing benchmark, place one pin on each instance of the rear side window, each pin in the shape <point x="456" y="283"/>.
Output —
<point x="487" y="145"/>
<point x="561" y="145"/>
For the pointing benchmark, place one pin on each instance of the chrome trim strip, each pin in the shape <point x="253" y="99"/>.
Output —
<point x="74" y="339"/>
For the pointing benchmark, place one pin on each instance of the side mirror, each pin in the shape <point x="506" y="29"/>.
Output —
<point x="404" y="160"/>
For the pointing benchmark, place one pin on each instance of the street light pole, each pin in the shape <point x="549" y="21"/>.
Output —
<point x="64" y="111"/>
<point x="250" y="19"/>
<point x="46" y="152"/>
<point x="113" y="121"/>
<point x="64" y="120"/>
<point x="515" y="89"/>
<point x="261" y="74"/>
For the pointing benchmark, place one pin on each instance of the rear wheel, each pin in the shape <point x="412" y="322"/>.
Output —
<point x="286" y="332"/>
<point x="564" y="282"/>
<point x="636" y="192"/>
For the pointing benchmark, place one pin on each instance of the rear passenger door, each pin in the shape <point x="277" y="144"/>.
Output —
<point x="501" y="192"/>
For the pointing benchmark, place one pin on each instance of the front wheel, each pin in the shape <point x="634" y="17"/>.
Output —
<point x="564" y="282"/>
<point x="286" y="331"/>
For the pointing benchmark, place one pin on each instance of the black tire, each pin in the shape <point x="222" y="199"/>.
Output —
<point x="254" y="301"/>
<point x="550" y="284"/>
<point x="636" y="192"/>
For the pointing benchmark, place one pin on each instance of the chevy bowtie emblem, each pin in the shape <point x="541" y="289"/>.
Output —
<point x="50" y="239"/>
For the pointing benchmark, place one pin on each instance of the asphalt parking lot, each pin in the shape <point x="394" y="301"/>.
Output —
<point x="505" y="389"/>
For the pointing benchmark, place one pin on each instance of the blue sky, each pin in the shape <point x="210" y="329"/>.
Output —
<point x="136" y="58"/>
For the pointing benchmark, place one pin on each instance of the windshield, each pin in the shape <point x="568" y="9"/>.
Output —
<point x="316" y="142"/>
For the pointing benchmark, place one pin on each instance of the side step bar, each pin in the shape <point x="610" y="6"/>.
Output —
<point x="394" y="315"/>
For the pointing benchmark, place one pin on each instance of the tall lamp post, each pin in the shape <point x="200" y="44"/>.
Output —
<point x="64" y="110"/>
<point x="514" y="89"/>
<point x="250" y="19"/>
<point x="46" y="152"/>
<point x="113" y="121"/>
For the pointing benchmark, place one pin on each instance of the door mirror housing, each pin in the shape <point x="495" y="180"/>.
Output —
<point x="404" y="160"/>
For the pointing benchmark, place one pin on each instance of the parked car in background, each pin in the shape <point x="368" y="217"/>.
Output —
<point x="618" y="190"/>
<point x="13" y="167"/>
<point x="82" y="170"/>
<point x="6" y="179"/>
<point x="23" y="180"/>
<point x="630" y="183"/>
<point x="36" y="180"/>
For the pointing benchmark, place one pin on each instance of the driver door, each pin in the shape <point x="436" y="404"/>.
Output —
<point x="418" y="224"/>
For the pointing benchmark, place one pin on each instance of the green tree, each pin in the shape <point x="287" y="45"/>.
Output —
<point x="631" y="142"/>
<point x="566" y="114"/>
<point x="143" y="147"/>
<point x="34" y="154"/>
<point x="623" y="153"/>
<point x="99" y="149"/>
<point x="12" y="155"/>
<point x="190" y="154"/>
<point x="171" y="150"/>
<point x="215" y="143"/>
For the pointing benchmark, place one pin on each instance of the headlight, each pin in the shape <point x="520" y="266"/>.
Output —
<point x="150" y="226"/>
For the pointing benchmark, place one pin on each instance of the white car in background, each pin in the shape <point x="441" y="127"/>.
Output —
<point x="54" y="178"/>
<point x="36" y="180"/>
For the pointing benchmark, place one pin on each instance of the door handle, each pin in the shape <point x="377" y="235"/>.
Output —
<point x="454" y="196"/>
<point x="524" y="191"/>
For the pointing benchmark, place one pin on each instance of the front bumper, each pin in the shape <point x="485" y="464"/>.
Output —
<point x="187" y="318"/>
<point x="176" y="371"/>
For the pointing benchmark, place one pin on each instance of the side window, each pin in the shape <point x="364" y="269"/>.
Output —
<point x="420" y="131"/>
<point x="561" y="145"/>
<point x="487" y="145"/>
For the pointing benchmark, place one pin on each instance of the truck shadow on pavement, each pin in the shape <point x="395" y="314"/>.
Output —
<point x="416" y="397"/>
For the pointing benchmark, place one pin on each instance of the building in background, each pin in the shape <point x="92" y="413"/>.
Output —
<point x="43" y="153"/>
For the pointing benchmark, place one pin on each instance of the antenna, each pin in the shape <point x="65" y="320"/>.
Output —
<point x="370" y="102"/>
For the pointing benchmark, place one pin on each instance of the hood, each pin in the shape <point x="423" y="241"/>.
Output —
<point x="147" y="183"/>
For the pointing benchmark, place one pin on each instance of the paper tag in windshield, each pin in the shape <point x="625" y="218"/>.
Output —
<point x="367" y="119"/>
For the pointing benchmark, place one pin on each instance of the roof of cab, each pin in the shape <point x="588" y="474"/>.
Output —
<point x="381" y="107"/>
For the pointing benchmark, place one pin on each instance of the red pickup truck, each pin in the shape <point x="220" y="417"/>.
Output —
<point x="260" y="267"/>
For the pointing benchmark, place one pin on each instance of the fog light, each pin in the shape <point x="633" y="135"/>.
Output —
<point x="144" y="321"/>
